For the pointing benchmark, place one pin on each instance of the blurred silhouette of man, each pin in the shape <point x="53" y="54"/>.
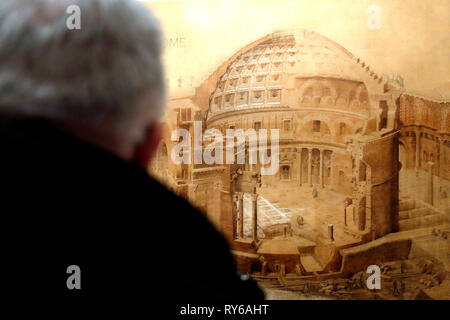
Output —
<point x="79" y="112"/>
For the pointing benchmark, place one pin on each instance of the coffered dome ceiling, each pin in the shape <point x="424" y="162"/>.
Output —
<point x="292" y="69"/>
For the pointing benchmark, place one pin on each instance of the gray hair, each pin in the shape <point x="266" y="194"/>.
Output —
<point x="86" y="75"/>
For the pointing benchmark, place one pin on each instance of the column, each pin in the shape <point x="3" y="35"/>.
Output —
<point x="346" y="204"/>
<point x="310" y="167"/>
<point x="235" y="217"/>
<point x="441" y="163"/>
<point x="241" y="214"/>
<point x="332" y="168"/>
<point x="255" y="216"/>
<point x="300" y="167"/>
<point x="417" y="150"/>
<point x="321" y="169"/>
<point x="330" y="232"/>
<point x="247" y="158"/>
<point x="345" y="216"/>
<point x="264" y="268"/>
<point x="430" y="183"/>
<point x="283" y="270"/>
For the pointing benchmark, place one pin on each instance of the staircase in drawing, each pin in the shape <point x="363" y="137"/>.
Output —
<point x="416" y="214"/>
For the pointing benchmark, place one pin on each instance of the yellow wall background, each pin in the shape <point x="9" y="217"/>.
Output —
<point x="413" y="40"/>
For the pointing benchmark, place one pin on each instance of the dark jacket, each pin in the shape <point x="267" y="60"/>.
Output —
<point x="65" y="202"/>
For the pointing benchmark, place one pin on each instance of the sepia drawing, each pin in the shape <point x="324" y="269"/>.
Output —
<point x="362" y="181"/>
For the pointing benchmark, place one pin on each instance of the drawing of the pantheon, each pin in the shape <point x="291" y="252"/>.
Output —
<point x="363" y="163"/>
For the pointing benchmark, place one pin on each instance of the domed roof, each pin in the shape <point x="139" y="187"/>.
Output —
<point x="255" y="79"/>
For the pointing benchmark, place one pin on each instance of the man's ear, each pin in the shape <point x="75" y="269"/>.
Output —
<point x="145" y="151"/>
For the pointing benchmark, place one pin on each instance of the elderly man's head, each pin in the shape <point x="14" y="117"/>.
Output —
<point x="102" y="83"/>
